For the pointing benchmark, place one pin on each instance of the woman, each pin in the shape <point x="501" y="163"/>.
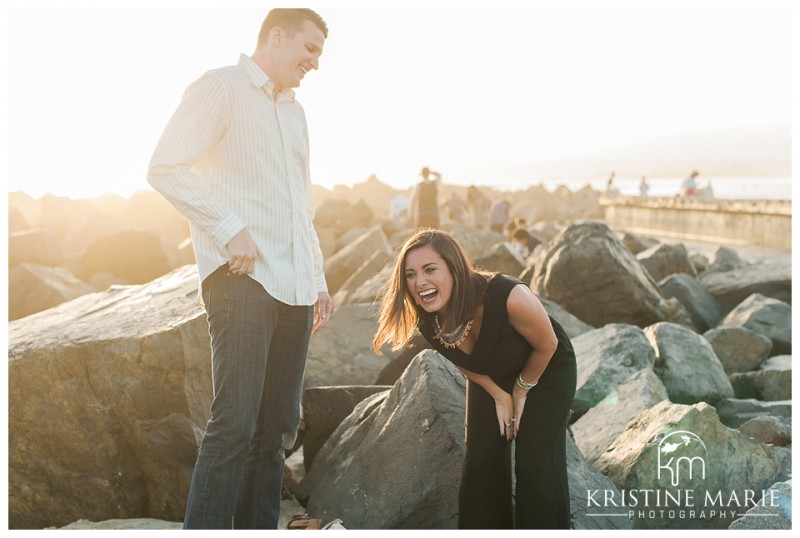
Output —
<point x="521" y="376"/>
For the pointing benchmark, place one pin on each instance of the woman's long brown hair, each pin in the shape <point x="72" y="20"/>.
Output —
<point x="399" y="313"/>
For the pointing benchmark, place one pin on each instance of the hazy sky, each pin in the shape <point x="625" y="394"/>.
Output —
<point x="90" y="89"/>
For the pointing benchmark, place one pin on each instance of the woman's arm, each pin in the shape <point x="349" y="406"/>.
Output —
<point x="529" y="318"/>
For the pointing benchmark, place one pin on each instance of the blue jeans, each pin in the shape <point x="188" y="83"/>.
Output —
<point x="258" y="355"/>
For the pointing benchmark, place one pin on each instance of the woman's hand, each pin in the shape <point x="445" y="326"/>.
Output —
<point x="518" y="397"/>
<point x="505" y="414"/>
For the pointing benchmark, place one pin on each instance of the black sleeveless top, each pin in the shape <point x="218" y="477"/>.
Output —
<point x="500" y="351"/>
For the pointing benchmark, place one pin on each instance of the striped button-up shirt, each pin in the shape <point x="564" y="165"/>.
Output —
<point x="234" y="156"/>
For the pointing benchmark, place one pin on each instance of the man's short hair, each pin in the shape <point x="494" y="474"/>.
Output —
<point x="291" y="20"/>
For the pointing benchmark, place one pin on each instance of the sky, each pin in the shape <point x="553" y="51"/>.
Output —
<point x="461" y="90"/>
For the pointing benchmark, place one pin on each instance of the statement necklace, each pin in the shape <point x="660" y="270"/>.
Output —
<point x="455" y="338"/>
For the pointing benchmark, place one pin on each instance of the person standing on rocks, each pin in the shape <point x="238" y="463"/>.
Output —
<point x="234" y="161"/>
<point x="521" y="372"/>
<point x="424" y="201"/>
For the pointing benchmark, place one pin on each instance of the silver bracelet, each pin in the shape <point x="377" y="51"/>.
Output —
<point x="523" y="385"/>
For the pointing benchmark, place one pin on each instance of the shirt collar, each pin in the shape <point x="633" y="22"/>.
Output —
<point x="259" y="78"/>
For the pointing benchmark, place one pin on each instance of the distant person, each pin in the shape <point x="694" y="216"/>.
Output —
<point x="513" y="225"/>
<point x="233" y="160"/>
<point x="478" y="205"/>
<point x="454" y="208"/>
<point x="689" y="185"/>
<point x="399" y="207"/>
<point x="499" y="214"/>
<point x="521" y="377"/>
<point x="644" y="187"/>
<point x="610" y="188"/>
<point x="424" y="202"/>
<point x="523" y="242"/>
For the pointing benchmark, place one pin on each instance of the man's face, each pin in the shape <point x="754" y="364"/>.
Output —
<point x="297" y="55"/>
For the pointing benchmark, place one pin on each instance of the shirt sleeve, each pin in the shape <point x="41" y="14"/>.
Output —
<point x="319" y="270"/>
<point x="197" y="124"/>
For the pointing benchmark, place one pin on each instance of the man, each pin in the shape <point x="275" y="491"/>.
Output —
<point x="424" y="202"/>
<point x="234" y="161"/>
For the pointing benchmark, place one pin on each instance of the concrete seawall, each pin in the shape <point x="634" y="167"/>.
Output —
<point x="733" y="222"/>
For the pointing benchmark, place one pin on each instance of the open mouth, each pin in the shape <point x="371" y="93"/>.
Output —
<point x="428" y="296"/>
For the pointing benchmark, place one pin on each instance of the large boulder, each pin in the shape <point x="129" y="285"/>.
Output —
<point x="636" y="243"/>
<point x="732" y="287"/>
<point x="734" y="412"/>
<point x="584" y="483"/>
<point x="341" y="352"/>
<point x="33" y="288"/>
<point x="588" y="271"/>
<point x="137" y="256"/>
<point x="324" y="408"/>
<point x="344" y="263"/>
<point x="701" y="306"/>
<point x="34" y="246"/>
<point x="771" y="382"/>
<point x="350" y="287"/>
<point x="687" y="365"/>
<point x="767" y="316"/>
<point x="738" y="349"/>
<point x="607" y="357"/>
<point x="663" y="260"/>
<point x="775" y="513"/>
<point x="501" y="258"/>
<point x="571" y="324"/>
<point x="476" y="243"/>
<point x="108" y="396"/>
<point x="725" y="259"/>
<point x="699" y="473"/>
<point x="596" y="430"/>
<point x="768" y="429"/>
<point x="395" y="461"/>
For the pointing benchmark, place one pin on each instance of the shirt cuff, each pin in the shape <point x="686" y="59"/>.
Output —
<point x="322" y="286"/>
<point x="227" y="230"/>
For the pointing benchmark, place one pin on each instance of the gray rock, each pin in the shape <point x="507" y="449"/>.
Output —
<point x="327" y="213"/>
<point x="769" y="429"/>
<point x="734" y="412"/>
<point x="124" y="524"/>
<point x="767" y="316"/>
<point x="701" y="305"/>
<point x="699" y="263"/>
<point x="358" y="215"/>
<point x="738" y="349"/>
<point x="324" y="408"/>
<point x="344" y="263"/>
<point x="687" y="451"/>
<point x="476" y="243"/>
<point x="34" y="246"/>
<point x="636" y="243"/>
<point x="137" y="256"/>
<point x="607" y="357"/>
<point x="33" y="288"/>
<point x="395" y="461"/>
<point x="108" y="395"/>
<point x="394" y="370"/>
<point x="501" y="258"/>
<point x="776" y="512"/>
<point x="596" y="430"/>
<point x="583" y="481"/>
<point x="687" y="365"/>
<point x="572" y="325"/>
<point x="368" y="291"/>
<point x="16" y="220"/>
<point x="349" y="235"/>
<point x="664" y="260"/>
<point x="725" y="259"/>
<point x="588" y="271"/>
<point x="341" y="352"/>
<point x="770" y="384"/>
<point x="732" y="287"/>
<point x="350" y="287"/>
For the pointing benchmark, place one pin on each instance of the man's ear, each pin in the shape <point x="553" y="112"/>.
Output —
<point x="275" y="36"/>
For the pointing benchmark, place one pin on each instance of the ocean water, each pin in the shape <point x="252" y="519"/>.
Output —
<point x="723" y="188"/>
